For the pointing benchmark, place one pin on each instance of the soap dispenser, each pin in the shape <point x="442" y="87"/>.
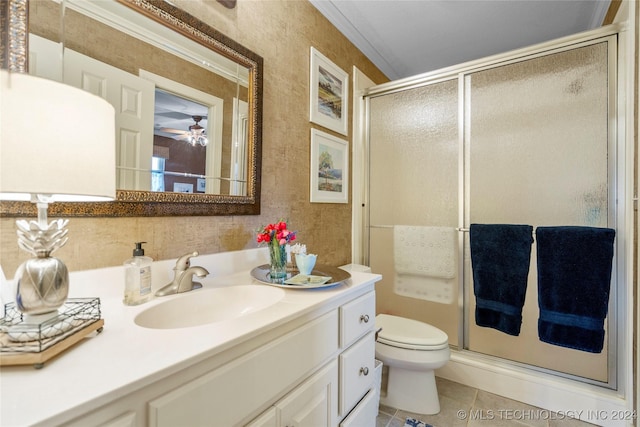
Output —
<point x="137" y="277"/>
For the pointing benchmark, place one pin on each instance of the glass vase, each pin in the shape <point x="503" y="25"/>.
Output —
<point x="278" y="256"/>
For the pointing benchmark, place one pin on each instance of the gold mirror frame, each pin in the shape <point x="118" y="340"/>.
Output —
<point x="14" y="32"/>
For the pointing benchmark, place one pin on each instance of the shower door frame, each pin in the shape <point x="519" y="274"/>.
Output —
<point x="618" y="365"/>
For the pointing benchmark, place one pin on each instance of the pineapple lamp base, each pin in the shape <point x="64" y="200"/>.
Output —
<point x="43" y="281"/>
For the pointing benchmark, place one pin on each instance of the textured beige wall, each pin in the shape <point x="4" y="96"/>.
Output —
<point x="282" y="33"/>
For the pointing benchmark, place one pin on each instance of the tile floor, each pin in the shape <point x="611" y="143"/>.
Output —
<point x="466" y="406"/>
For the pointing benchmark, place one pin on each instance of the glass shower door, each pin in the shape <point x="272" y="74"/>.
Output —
<point x="413" y="190"/>
<point x="537" y="138"/>
<point x="530" y="141"/>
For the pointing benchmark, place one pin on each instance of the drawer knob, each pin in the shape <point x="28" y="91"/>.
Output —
<point x="364" y="318"/>
<point x="364" y="371"/>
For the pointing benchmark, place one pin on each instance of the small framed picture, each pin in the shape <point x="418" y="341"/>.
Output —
<point x="329" y="168"/>
<point x="182" y="187"/>
<point x="329" y="94"/>
<point x="202" y="185"/>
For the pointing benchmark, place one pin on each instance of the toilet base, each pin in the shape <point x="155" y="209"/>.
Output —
<point x="412" y="391"/>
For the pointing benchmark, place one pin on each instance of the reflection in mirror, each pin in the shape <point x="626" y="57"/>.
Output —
<point x="156" y="59"/>
<point x="179" y="154"/>
<point x="187" y="100"/>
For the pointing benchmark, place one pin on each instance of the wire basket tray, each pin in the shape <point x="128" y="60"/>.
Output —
<point x="17" y="336"/>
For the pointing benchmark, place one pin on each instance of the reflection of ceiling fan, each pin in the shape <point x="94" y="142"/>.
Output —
<point x="196" y="134"/>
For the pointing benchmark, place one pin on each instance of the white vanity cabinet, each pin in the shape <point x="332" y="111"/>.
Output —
<point x="313" y="403"/>
<point x="229" y="394"/>
<point x="313" y="375"/>
<point x="328" y="397"/>
<point x="307" y="360"/>
<point x="365" y="413"/>
<point x="357" y="403"/>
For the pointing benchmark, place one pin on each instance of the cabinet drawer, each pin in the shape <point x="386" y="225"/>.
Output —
<point x="356" y="318"/>
<point x="365" y="413"/>
<point x="357" y="366"/>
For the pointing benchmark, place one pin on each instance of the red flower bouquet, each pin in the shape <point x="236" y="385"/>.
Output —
<point x="277" y="236"/>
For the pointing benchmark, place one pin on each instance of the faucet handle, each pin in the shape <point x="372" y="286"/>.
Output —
<point x="184" y="261"/>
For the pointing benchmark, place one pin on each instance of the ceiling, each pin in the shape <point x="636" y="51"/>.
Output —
<point x="408" y="37"/>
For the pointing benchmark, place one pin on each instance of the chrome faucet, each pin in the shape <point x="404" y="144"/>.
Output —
<point x="183" y="276"/>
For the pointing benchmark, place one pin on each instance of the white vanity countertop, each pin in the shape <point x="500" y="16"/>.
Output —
<point x="126" y="357"/>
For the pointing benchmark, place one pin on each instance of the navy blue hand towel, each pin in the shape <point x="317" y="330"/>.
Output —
<point x="500" y="258"/>
<point x="574" y="276"/>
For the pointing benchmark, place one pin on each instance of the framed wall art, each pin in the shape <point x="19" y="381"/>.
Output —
<point x="329" y="168"/>
<point x="329" y="94"/>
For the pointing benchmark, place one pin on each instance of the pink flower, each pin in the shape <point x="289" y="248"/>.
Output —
<point x="277" y="231"/>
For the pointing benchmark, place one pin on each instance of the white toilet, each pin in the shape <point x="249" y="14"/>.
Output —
<point x="412" y="350"/>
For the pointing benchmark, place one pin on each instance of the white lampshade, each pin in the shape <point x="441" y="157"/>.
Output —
<point x="54" y="140"/>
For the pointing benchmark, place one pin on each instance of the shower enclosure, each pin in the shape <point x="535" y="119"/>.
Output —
<point x="529" y="138"/>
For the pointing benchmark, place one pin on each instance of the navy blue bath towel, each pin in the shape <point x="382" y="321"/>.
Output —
<point x="500" y="258"/>
<point x="574" y="276"/>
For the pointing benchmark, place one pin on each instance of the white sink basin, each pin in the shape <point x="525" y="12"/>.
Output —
<point x="208" y="305"/>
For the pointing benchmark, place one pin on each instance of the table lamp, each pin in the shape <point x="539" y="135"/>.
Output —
<point x="57" y="144"/>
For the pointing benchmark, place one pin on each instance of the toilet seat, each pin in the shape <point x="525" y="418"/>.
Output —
<point x="410" y="334"/>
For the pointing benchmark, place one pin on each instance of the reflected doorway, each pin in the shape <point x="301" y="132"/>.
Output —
<point x="180" y="143"/>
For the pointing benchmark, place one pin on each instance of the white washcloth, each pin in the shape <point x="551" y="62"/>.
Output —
<point x="425" y="251"/>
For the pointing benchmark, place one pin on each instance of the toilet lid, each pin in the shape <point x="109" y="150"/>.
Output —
<point x="408" y="333"/>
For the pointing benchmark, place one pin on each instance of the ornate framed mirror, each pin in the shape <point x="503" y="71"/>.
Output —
<point x="199" y="92"/>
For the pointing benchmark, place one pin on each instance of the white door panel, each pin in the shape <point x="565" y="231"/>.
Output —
<point x="45" y="58"/>
<point x="133" y="99"/>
